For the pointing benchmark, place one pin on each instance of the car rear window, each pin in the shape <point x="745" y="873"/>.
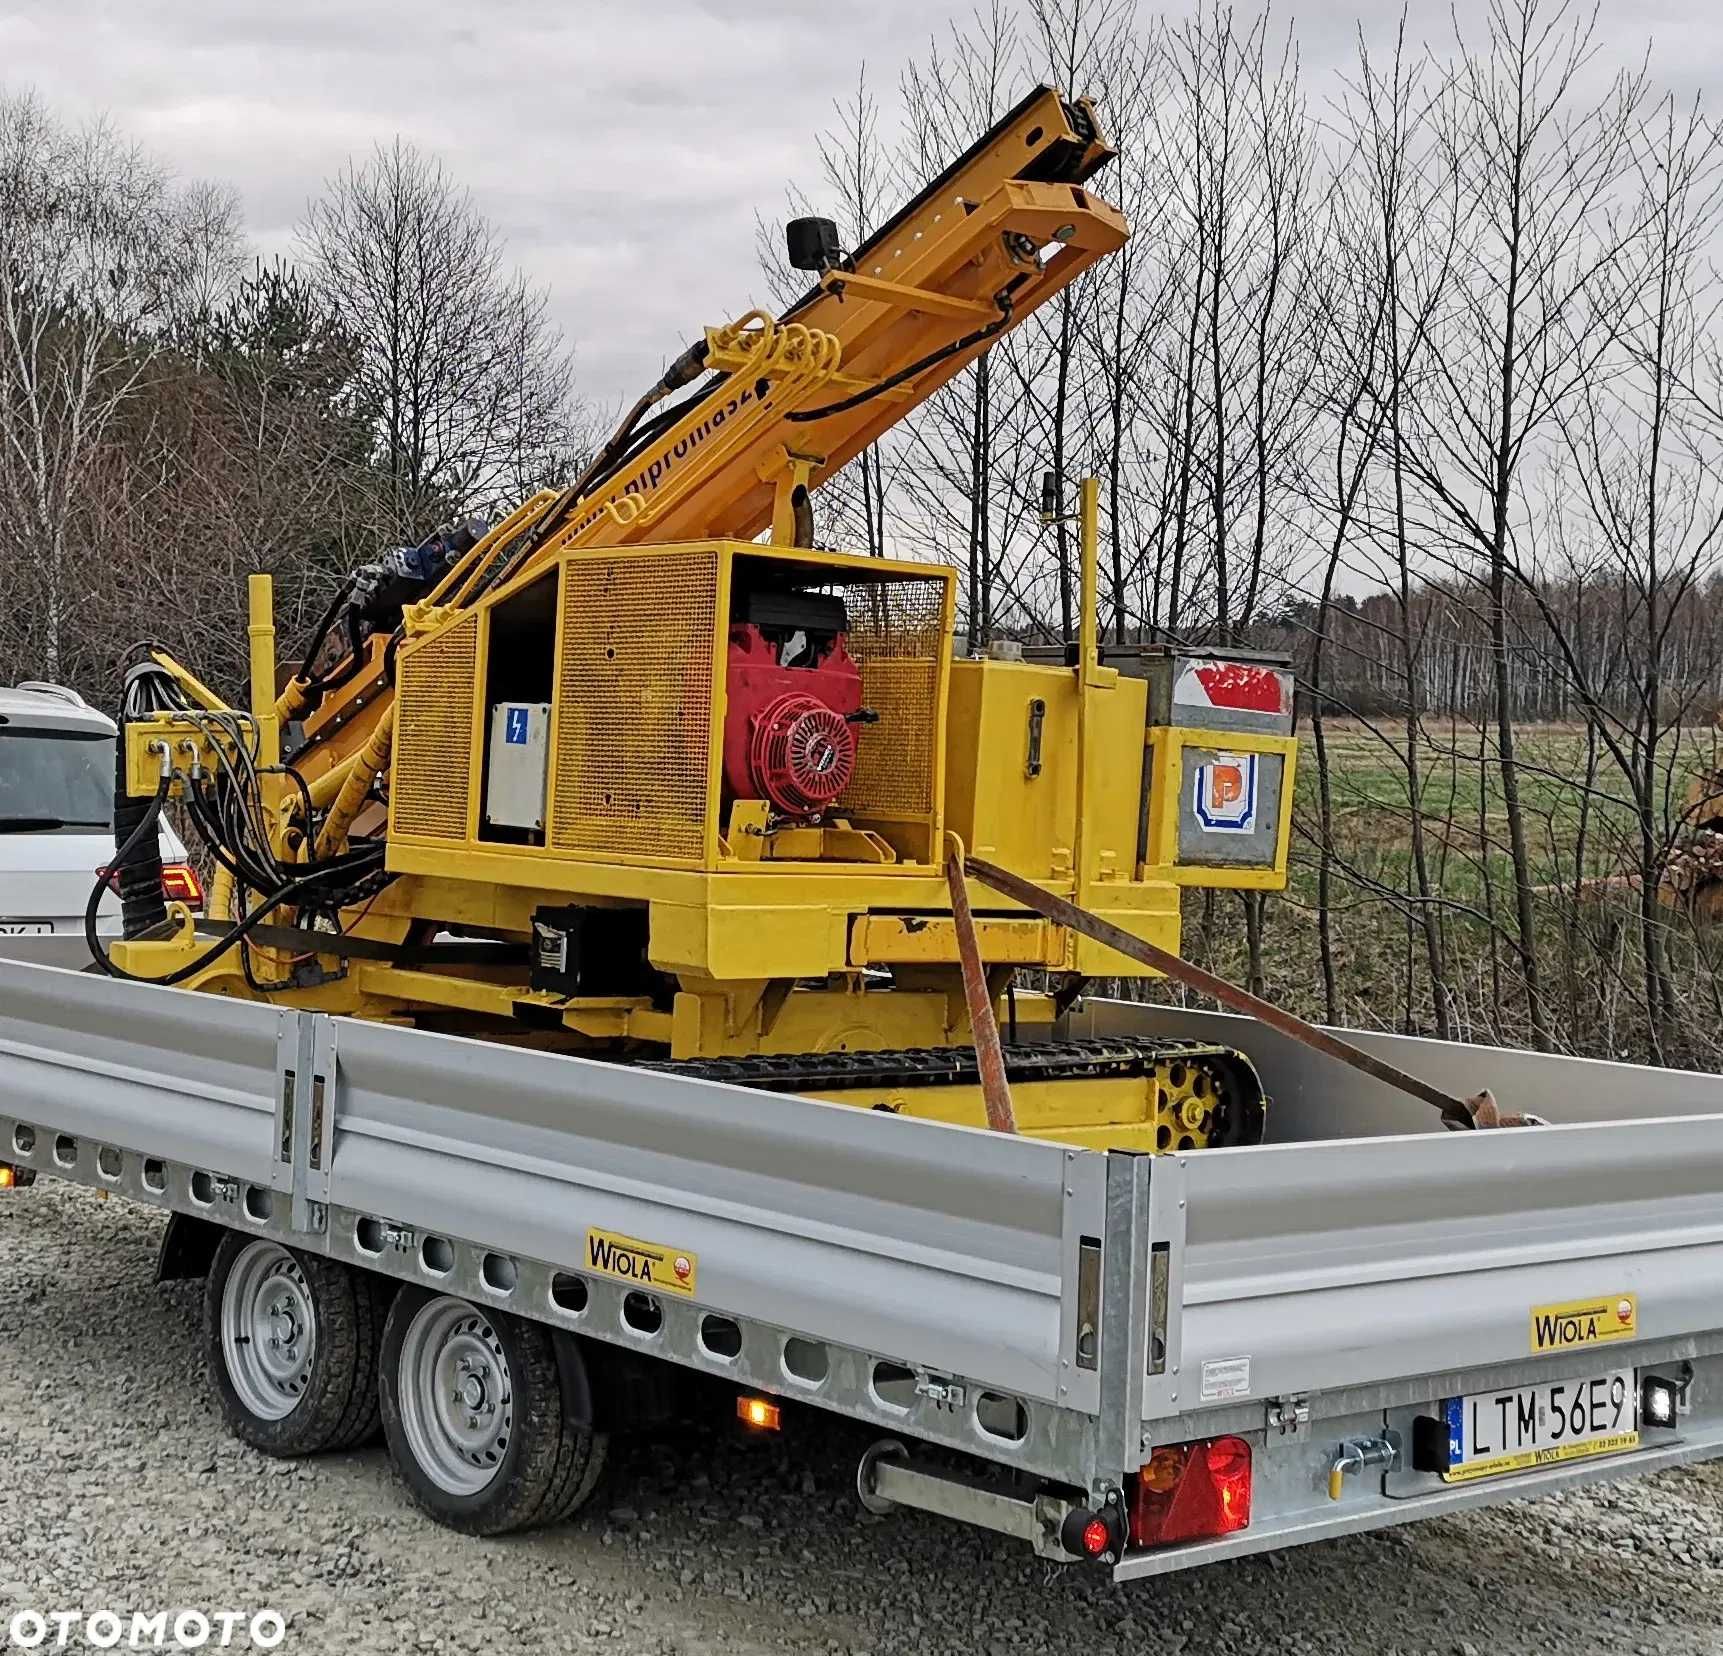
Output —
<point x="60" y="776"/>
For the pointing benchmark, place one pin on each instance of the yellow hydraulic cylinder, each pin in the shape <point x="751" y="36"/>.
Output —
<point x="260" y="591"/>
<point x="1088" y="665"/>
<point x="221" y="894"/>
<point x="1089" y="550"/>
<point x="370" y="760"/>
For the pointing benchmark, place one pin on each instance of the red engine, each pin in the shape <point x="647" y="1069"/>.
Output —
<point x="789" y="735"/>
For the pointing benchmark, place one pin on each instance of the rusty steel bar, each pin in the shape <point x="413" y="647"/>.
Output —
<point x="1453" y="1110"/>
<point x="989" y="1056"/>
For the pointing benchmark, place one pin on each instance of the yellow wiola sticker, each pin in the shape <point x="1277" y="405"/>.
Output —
<point x="1589" y="1322"/>
<point x="644" y="1264"/>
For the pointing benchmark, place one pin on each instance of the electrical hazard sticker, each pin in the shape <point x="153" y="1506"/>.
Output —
<point x="641" y="1264"/>
<point x="515" y="731"/>
<point x="1577" y="1323"/>
<point x="1224" y="794"/>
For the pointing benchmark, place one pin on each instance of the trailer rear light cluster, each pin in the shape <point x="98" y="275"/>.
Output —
<point x="16" y="1178"/>
<point x="1191" y="1492"/>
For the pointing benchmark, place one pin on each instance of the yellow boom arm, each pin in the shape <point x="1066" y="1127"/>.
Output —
<point x="787" y="401"/>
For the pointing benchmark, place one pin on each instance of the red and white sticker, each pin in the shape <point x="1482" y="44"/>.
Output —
<point x="1239" y="686"/>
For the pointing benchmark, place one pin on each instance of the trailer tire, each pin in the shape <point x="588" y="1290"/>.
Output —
<point x="474" y="1416"/>
<point x="313" y="1388"/>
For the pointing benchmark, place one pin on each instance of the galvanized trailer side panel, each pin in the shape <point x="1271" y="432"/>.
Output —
<point x="1332" y="1265"/>
<point x="181" y="1077"/>
<point x="947" y="1246"/>
<point x="948" y="1250"/>
<point x="1314" y="1097"/>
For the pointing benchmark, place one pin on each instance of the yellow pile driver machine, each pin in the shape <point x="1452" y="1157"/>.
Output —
<point x="619" y="776"/>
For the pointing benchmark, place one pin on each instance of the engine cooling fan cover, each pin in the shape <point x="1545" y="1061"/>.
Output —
<point x="802" y="753"/>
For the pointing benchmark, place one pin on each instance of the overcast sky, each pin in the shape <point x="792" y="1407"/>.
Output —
<point x="623" y="149"/>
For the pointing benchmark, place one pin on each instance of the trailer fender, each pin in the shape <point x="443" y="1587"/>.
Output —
<point x="619" y="1390"/>
<point x="188" y="1248"/>
<point x="572" y="1370"/>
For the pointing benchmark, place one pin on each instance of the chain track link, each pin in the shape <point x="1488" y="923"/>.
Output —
<point x="1238" y="1120"/>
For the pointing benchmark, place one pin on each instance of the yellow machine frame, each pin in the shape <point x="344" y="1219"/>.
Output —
<point x="772" y="935"/>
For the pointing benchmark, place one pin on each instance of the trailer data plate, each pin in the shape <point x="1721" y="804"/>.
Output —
<point x="1543" y="1425"/>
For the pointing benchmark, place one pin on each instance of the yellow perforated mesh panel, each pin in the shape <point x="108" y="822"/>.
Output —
<point x="897" y="633"/>
<point x="431" y="775"/>
<point x="634" y="704"/>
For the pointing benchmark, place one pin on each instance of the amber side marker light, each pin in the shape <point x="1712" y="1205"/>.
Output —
<point x="760" y="1413"/>
<point x="16" y="1178"/>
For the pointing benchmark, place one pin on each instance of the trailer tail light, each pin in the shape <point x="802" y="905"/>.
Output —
<point x="180" y="884"/>
<point x="1191" y="1492"/>
<point x="1090" y="1534"/>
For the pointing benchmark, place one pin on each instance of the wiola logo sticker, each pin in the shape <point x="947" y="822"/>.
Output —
<point x="1584" y="1323"/>
<point x="641" y="1264"/>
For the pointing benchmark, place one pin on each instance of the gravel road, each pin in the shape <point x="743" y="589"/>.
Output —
<point x="119" y="1489"/>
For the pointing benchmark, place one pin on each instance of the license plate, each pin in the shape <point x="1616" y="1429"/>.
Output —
<point x="1520" y="1428"/>
<point x="21" y="928"/>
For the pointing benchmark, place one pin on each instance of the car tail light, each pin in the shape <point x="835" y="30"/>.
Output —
<point x="1191" y="1492"/>
<point x="180" y="884"/>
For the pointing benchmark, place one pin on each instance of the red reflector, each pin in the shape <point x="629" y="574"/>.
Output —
<point x="1097" y="1538"/>
<point x="181" y="884"/>
<point x="1191" y="1493"/>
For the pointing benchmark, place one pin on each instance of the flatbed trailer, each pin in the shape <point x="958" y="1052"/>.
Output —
<point x="1336" y="1317"/>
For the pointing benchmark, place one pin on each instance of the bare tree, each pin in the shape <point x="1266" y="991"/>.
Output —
<point x="1538" y="262"/>
<point x="1649" y="503"/>
<point x="467" y="379"/>
<point x="101" y="252"/>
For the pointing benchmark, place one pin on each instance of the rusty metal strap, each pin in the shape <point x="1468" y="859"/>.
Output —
<point x="1463" y="1114"/>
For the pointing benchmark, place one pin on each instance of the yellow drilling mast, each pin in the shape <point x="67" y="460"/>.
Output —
<point x="618" y="777"/>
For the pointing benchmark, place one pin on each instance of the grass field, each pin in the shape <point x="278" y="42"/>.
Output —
<point x="1565" y="791"/>
<point x="1583" y="837"/>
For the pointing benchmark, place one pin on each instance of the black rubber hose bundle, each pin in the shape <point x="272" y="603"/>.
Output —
<point x="137" y="864"/>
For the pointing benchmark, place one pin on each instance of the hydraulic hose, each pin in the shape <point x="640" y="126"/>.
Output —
<point x="137" y="865"/>
<point x="932" y="360"/>
<point x="231" y="939"/>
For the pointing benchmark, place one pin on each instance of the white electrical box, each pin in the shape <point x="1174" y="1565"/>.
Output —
<point x="519" y="748"/>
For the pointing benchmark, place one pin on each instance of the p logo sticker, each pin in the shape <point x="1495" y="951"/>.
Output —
<point x="1225" y="794"/>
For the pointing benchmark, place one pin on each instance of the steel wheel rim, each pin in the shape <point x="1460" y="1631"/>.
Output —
<point x="457" y="1395"/>
<point x="268" y="1330"/>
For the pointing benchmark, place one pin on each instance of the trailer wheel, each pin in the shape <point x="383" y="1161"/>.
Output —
<point x="474" y="1414"/>
<point x="291" y="1341"/>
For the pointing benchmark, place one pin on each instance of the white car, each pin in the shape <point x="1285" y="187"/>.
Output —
<point x="57" y="815"/>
